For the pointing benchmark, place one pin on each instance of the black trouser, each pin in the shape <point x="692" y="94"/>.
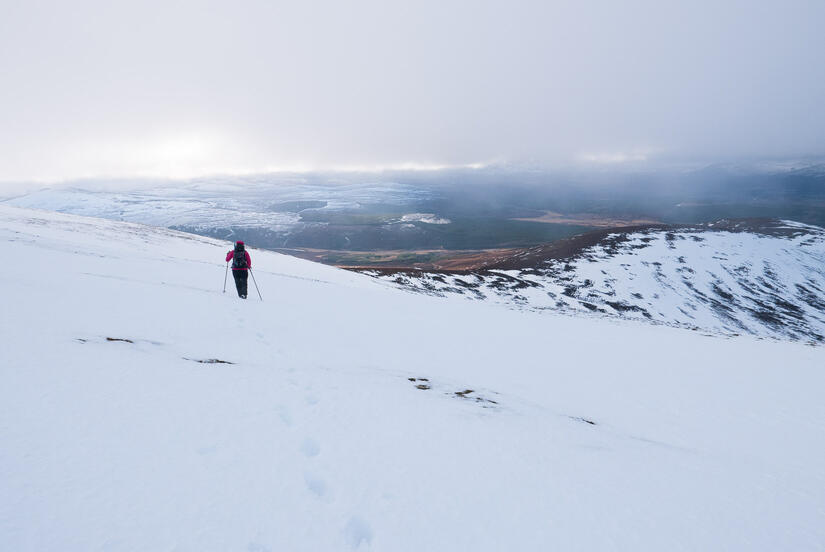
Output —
<point x="241" y="276"/>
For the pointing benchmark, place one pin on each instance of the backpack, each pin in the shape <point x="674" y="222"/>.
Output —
<point x="239" y="258"/>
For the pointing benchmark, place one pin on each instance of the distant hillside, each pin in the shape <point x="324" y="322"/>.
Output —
<point x="755" y="276"/>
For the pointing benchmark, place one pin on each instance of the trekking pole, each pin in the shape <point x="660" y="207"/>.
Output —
<point x="225" y="275"/>
<point x="256" y="284"/>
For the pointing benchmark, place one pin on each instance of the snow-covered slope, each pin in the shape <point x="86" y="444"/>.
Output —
<point x="759" y="277"/>
<point x="349" y="415"/>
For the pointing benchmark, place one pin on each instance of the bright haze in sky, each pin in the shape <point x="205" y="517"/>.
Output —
<point x="187" y="88"/>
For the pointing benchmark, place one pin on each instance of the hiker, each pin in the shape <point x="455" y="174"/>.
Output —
<point x="241" y="263"/>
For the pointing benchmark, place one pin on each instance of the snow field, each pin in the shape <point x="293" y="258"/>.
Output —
<point x="316" y="439"/>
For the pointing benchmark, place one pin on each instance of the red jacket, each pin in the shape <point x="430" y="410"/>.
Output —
<point x="231" y="255"/>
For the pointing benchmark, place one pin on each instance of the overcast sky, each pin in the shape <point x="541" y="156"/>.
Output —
<point x="180" y="88"/>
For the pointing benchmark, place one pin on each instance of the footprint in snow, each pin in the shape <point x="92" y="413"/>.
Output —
<point x="284" y="414"/>
<point x="310" y="448"/>
<point x="357" y="532"/>
<point x="205" y="450"/>
<point x="315" y="484"/>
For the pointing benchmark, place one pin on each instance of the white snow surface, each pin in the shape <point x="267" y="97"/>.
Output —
<point x="428" y="218"/>
<point x="315" y="438"/>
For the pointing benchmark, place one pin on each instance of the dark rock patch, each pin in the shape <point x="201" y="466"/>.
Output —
<point x="208" y="360"/>
<point x="466" y="394"/>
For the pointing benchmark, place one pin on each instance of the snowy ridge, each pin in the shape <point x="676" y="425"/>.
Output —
<point x="213" y="203"/>
<point x="142" y="409"/>
<point x="764" y="278"/>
